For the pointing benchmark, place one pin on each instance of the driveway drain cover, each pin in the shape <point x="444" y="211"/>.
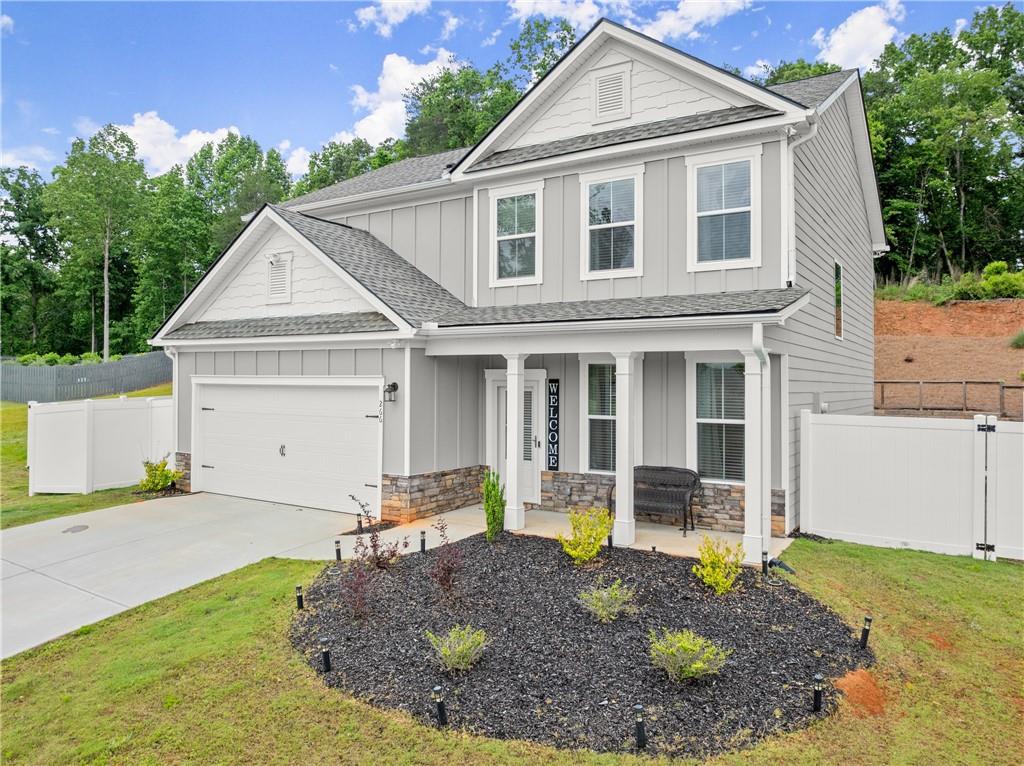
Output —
<point x="76" y="528"/>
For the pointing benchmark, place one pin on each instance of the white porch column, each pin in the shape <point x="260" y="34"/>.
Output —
<point x="515" y="516"/>
<point x="757" y="458"/>
<point x="624" y="532"/>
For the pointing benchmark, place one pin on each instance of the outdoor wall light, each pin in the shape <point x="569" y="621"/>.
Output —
<point x="298" y="597"/>
<point x="865" y="632"/>
<point x="325" y="655"/>
<point x="442" y="713"/>
<point x="641" y="728"/>
<point x="389" y="391"/>
<point x="819" y="689"/>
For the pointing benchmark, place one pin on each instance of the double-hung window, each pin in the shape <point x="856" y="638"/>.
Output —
<point x="720" y="420"/>
<point x="600" y="417"/>
<point x="612" y="212"/>
<point x="724" y="222"/>
<point x="516" y="256"/>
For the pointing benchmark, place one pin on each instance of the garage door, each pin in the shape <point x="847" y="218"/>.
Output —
<point x="309" y="446"/>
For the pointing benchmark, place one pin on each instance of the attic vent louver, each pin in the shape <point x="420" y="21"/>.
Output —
<point x="279" y="278"/>
<point x="611" y="93"/>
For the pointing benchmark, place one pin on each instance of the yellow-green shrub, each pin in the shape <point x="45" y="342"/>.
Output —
<point x="719" y="564"/>
<point x="158" y="476"/>
<point x="606" y="604"/>
<point x="590" y="528"/>
<point x="684" y="655"/>
<point x="459" y="648"/>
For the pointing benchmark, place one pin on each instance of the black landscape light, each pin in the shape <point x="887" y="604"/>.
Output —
<point x="610" y="542"/>
<point x="641" y="728"/>
<point x="442" y="713"/>
<point x="325" y="655"/>
<point x="865" y="632"/>
<point x="764" y="564"/>
<point x="359" y="525"/>
<point x="423" y="541"/>
<point x="819" y="690"/>
<point x="389" y="391"/>
<point x="337" y="550"/>
<point x="298" y="597"/>
<point x="654" y="549"/>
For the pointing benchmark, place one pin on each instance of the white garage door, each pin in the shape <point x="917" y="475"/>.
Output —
<point x="309" y="446"/>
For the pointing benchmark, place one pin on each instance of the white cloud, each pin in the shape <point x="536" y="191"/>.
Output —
<point x="284" y="146"/>
<point x="385" y="15"/>
<point x="385" y="107"/>
<point x="85" y="126"/>
<point x="298" y="160"/>
<point x="6" y="24"/>
<point x="757" y="68"/>
<point x="859" y="40"/>
<point x="333" y="67"/>
<point x="342" y="137"/>
<point x="491" y="39"/>
<point x="30" y="156"/>
<point x="686" y="19"/>
<point x="960" y="24"/>
<point x="51" y="131"/>
<point x="580" y="13"/>
<point x="159" y="144"/>
<point x="451" y="23"/>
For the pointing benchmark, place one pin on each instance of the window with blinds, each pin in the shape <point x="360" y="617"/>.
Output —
<point x="601" y="417"/>
<point x="720" y="421"/>
<point x="516" y="231"/>
<point x="528" y="425"/>
<point x="837" y="282"/>
<point x="723" y="212"/>
<point x="611" y="224"/>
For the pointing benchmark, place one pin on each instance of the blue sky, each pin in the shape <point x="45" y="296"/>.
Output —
<point x="296" y="75"/>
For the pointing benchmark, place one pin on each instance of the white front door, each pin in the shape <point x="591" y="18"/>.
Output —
<point x="531" y="452"/>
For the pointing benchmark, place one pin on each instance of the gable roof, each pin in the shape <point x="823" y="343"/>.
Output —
<point x="409" y="292"/>
<point x="812" y="92"/>
<point x="312" y="324"/>
<point x="408" y="172"/>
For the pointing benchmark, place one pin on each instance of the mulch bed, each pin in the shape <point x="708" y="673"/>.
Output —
<point x="553" y="674"/>
<point x="171" y="491"/>
<point x="379" y="526"/>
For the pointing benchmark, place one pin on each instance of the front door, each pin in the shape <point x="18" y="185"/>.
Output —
<point x="531" y="449"/>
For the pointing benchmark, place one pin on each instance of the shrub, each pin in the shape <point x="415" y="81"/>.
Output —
<point x="69" y="359"/>
<point x="50" y="359"/>
<point x="158" y="476"/>
<point x="357" y="588"/>
<point x="91" y="357"/>
<point x="1018" y="340"/>
<point x="606" y="604"/>
<point x="993" y="269"/>
<point x="377" y="553"/>
<point x="28" y="358"/>
<point x="115" y="358"/>
<point x="447" y="560"/>
<point x="494" y="505"/>
<point x="459" y="649"/>
<point x="719" y="564"/>
<point x="589" y="530"/>
<point x="684" y="655"/>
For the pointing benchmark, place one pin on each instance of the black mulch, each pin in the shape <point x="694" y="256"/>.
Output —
<point x="170" y="491"/>
<point x="379" y="526"/>
<point x="554" y="675"/>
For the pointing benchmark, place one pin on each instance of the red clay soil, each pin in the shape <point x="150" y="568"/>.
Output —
<point x="965" y="319"/>
<point x="862" y="693"/>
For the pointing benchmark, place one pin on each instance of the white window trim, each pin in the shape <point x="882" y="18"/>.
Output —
<point x="692" y="360"/>
<point x="595" y="75"/>
<point x="584" y="378"/>
<point x="636" y="173"/>
<point x="278" y="256"/>
<point x="842" y="298"/>
<point x="536" y="188"/>
<point x="693" y="163"/>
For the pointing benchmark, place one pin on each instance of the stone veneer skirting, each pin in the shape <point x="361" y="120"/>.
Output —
<point x="183" y="463"/>
<point x="405" y="498"/>
<point x="719" y="507"/>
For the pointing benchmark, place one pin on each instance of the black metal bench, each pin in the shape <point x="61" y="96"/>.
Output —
<point x="663" y="491"/>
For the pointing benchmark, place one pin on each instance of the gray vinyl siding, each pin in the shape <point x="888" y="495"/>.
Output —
<point x="831" y="224"/>
<point x="389" y="363"/>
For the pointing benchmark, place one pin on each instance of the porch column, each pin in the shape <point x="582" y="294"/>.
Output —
<point x="757" y="458"/>
<point x="515" y="517"/>
<point x="624" y="531"/>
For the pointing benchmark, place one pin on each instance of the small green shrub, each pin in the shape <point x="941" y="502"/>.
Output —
<point x="158" y="476"/>
<point x="684" y="655"/>
<point x="459" y="649"/>
<point x="115" y="358"/>
<point x="91" y="357"/>
<point x="719" y="564"/>
<point x="606" y="604"/>
<point x="50" y="359"/>
<point x="68" y="359"/>
<point x="28" y="359"/>
<point x="494" y="505"/>
<point x="1018" y="340"/>
<point x="994" y="269"/>
<point x="590" y="528"/>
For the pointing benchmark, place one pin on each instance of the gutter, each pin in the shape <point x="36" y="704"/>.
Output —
<point x="812" y="120"/>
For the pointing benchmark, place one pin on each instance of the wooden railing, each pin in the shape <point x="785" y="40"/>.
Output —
<point x="982" y="396"/>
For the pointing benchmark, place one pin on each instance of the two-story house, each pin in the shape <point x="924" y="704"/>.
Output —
<point x="649" y="261"/>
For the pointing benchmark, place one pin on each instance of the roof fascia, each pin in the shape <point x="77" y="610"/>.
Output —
<point x="341" y="340"/>
<point x="425" y="186"/>
<point x="861" y="135"/>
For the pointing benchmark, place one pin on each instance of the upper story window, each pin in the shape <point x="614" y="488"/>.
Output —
<point x="837" y="284"/>
<point x="724" y="219"/>
<point x="279" y="277"/>
<point x="611" y="92"/>
<point x="516" y="242"/>
<point x="612" y="213"/>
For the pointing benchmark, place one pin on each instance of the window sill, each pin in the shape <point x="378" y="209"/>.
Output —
<point x="514" y="281"/>
<point x="612" y="274"/>
<point x="739" y="263"/>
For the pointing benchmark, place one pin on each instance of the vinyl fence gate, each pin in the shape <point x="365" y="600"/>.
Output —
<point x="946" y="485"/>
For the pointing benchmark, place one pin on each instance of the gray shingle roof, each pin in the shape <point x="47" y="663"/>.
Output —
<point x="624" y="135"/>
<point x="408" y="172"/>
<point x="405" y="289"/>
<point x="316" y="324"/>
<point x="708" y="304"/>
<point x="812" y="91"/>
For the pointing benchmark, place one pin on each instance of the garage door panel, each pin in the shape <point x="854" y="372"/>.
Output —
<point x="331" y="447"/>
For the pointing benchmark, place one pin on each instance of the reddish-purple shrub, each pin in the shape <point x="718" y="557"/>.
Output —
<point x="447" y="560"/>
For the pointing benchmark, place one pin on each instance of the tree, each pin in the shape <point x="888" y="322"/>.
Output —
<point x="336" y="161"/>
<point x="93" y="201"/>
<point x="30" y="256"/>
<point x="787" y="71"/>
<point x="537" y="48"/>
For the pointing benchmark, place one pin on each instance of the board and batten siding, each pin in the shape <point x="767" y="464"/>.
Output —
<point x="389" y="363"/>
<point x="446" y="412"/>
<point x="664" y="225"/>
<point x="831" y="224"/>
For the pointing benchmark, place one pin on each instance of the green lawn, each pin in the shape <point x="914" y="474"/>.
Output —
<point x="16" y="507"/>
<point x="207" y="676"/>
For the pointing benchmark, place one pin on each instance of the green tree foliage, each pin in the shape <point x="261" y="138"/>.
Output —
<point x="787" y="71"/>
<point x="336" y="161"/>
<point x="93" y="201"/>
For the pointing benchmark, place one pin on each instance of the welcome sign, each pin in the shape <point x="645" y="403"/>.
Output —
<point x="552" y="410"/>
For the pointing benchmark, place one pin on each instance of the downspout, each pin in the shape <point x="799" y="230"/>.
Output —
<point x="812" y="120"/>
<point x="757" y="345"/>
<point x="172" y="354"/>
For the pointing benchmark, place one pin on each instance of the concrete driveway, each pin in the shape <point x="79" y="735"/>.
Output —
<point x="63" y="573"/>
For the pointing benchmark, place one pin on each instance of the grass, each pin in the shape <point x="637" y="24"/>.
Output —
<point x="1017" y="341"/>
<point x="16" y="507"/>
<point x="207" y="676"/>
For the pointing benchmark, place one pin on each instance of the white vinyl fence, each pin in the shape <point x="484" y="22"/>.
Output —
<point x="83" y="446"/>
<point x="934" y="484"/>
